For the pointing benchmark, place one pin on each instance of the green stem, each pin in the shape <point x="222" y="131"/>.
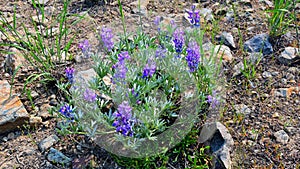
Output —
<point x="123" y="23"/>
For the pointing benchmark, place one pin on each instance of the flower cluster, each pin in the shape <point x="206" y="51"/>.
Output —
<point x="160" y="52"/>
<point x="70" y="74"/>
<point x="178" y="39"/>
<point x="120" y="68"/>
<point x="89" y="96"/>
<point x="211" y="99"/>
<point x="149" y="69"/>
<point x="194" y="16"/>
<point x="85" y="48"/>
<point x="107" y="38"/>
<point x="124" y="122"/>
<point x="67" y="111"/>
<point x="193" y="56"/>
<point x="157" y="20"/>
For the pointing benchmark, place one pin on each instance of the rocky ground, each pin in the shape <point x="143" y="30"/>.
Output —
<point x="261" y="112"/>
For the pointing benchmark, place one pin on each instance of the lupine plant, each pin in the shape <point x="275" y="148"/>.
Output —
<point x="147" y="98"/>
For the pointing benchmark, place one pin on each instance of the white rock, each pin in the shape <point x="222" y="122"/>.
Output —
<point x="281" y="136"/>
<point x="289" y="55"/>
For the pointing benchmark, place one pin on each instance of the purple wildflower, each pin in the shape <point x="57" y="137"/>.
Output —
<point x="70" y="74"/>
<point x="160" y="52"/>
<point x="211" y="99"/>
<point x="67" y="111"/>
<point x="193" y="56"/>
<point x="124" y="122"/>
<point x="194" y="16"/>
<point x="178" y="39"/>
<point x="85" y="48"/>
<point x="123" y="55"/>
<point x="157" y="20"/>
<point x="149" y="69"/>
<point x="89" y="95"/>
<point x="107" y="38"/>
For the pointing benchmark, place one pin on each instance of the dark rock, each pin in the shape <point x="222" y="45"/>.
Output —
<point x="56" y="156"/>
<point x="259" y="43"/>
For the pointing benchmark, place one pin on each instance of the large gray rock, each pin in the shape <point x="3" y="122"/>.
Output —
<point x="259" y="43"/>
<point x="12" y="111"/>
<point x="220" y="141"/>
<point x="289" y="55"/>
<point x="56" y="156"/>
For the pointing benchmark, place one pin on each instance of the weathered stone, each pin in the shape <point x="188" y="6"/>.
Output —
<point x="48" y="142"/>
<point x="281" y="136"/>
<point x="220" y="51"/>
<point x="227" y="39"/>
<point x="56" y="156"/>
<point x="220" y="141"/>
<point x="259" y="43"/>
<point x="223" y="52"/>
<point x="289" y="55"/>
<point x="12" y="111"/>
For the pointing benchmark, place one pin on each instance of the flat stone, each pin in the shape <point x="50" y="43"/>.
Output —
<point x="289" y="56"/>
<point x="281" y="136"/>
<point x="56" y="156"/>
<point x="48" y="142"/>
<point x="220" y="51"/>
<point x="259" y="43"/>
<point x="220" y="141"/>
<point x="12" y="111"/>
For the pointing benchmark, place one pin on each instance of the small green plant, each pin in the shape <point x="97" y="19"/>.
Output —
<point x="281" y="17"/>
<point x="45" y="48"/>
<point x="146" y="95"/>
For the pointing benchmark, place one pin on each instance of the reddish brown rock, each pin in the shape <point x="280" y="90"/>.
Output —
<point x="12" y="111"/>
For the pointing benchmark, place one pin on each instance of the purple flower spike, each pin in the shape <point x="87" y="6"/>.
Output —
<point x="120" y="68"/>
<point x="67" y="111"/>
<point x="85" y="48"/>
<point x="70" y="74"/>
<point x="149" y="69"/>
<point x="157" y="20"/>
<point x="178" y="39"/>
<point x="107" y="38"/>
<point x="89" y="96"/>
<point x="211" y="99"/>
<point x="193" y="56"/>
<point x="160" y="52"/>
<point x="123" y="122"/>
<point x="194" y="16"/>
<point x="123" y="55"/>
